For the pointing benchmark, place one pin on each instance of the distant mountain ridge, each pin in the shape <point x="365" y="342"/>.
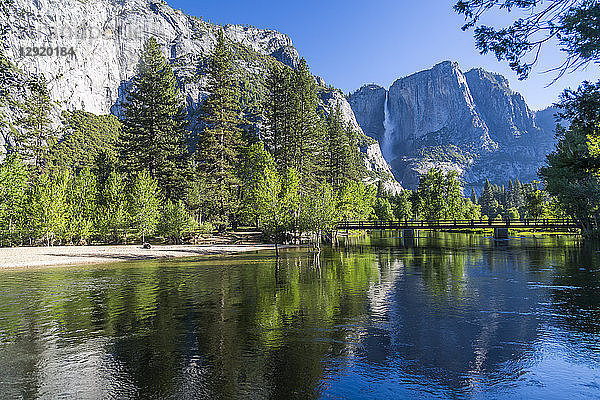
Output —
<point x="471" y="122"/>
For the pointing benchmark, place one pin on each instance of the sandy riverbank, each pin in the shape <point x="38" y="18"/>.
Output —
<point x="25" y="257"/>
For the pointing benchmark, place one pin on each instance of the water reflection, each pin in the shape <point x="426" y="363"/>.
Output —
<point x="443" y="315"/>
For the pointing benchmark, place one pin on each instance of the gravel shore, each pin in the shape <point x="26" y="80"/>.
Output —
<point x="25" y="257"/>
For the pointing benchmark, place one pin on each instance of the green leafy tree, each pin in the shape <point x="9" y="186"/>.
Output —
<point x="144" y="204"/>
<point x="431" y="196"/>
<point x="403" y="209"/>
<point x="536" y="204"/>
<point x="318" y="211"/>
<point x="572" y="174"/>
<point x="355" y="202"/>
<point x="13" y="189"/>
<point x="383" y="209"/>
<point x="261" y="184"/>
<point x="153" y="136"/>
<point x="47" y="207"/>
<point x="513" y="213"/>
<point x="572" y="24"/>
<point x="112" y="210"/>
<point x="175" y="221"/>
<point x="81" y="206"/>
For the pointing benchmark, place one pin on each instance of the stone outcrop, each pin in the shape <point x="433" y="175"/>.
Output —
<point x="470" y="122"/>
<point x="367" y="104"/>
<point x="371" y="152"/>
<point x="106" y="37"/>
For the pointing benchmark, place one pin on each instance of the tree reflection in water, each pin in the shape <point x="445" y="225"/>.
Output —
<point x="444" y="314"/>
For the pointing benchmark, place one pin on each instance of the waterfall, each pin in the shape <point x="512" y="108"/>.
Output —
<point x="388" y="130"/>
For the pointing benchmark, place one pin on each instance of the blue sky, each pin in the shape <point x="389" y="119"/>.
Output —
<point x="350" y="42"/>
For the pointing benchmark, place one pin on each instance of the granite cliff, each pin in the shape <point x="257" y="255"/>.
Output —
<point x="106" y="37"/>
<point x="470" y="122"/>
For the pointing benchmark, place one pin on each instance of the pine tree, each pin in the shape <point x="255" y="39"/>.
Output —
<point x="307" y="130"/>
<point x="487" y="201"/>
<point x="218" y="148"/>
<point x="342" y="158"/>
<point x="36" y="134"/>
<point x="473" y="196"/>
<point x="153" y="137"/>
<point x="295" y="134"/>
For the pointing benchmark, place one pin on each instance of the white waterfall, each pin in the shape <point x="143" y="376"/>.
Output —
<point x="388" y="130"/>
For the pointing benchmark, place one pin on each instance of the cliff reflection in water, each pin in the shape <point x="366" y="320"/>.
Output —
<point x="443" y="315"/>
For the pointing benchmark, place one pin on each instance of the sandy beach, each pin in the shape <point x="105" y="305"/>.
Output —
<point x="26" y="257"/>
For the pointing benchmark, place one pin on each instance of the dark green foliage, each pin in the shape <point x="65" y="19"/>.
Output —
<point x="343" y="160"/>
<point x="85" y="137"/>
<point x="35" y="135"/>
<point x="295" y="133"/>
<point x="219" y="145"/>
<point x="383" y="209"/>
<point x="572" y="174"/>
<point x="153" y="137"/>
<point x="574" y="24"/>
<point x="488" y="201"/>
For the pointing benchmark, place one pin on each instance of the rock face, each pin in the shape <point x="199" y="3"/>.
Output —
<point x="106" y="37"/>
<point x="472" y="123"/>
<point x="368" y="105"/>
<point x="371" y="152"/>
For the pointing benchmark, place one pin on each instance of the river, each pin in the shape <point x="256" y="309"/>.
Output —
<point x="442" y="316"/>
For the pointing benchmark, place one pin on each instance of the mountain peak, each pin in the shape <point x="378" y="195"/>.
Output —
<point x="472" y="122"/>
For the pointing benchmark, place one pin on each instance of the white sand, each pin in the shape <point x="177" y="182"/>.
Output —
<point x="22" y="257"/>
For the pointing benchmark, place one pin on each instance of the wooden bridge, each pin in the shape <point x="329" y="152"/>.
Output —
<point x="501" y="227"/>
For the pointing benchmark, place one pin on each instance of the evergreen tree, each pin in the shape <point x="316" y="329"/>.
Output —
<point x="487" y="201"/>
<point x="342" y="158"/>
<point x="454" y="201"/>
<point x="84" y="137"/>
<point x="153" y="137"/>
<point x="218" y="148"/>
<point x="295" y="134"/>
<point x="473" y="196"/>
<point x="35" y="134"/>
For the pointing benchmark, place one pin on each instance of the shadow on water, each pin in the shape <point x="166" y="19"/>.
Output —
<point x="440" y="315"/>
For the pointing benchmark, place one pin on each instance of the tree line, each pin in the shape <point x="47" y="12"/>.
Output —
<point x="282" y="163"/>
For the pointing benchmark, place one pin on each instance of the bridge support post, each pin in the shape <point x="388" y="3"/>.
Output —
<point x="409" y="233"/>
<point x="500" y="233"/>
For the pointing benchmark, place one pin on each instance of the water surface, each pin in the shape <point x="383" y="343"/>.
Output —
<point x="443" y="316"/>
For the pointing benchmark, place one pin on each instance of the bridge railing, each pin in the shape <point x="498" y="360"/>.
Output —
<point x="555" y="223"/>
